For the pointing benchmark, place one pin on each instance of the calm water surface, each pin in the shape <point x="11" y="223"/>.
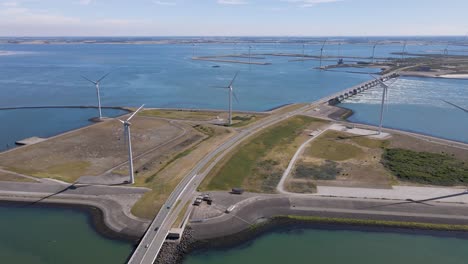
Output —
<point x="30" y="235"/>
<point x="25" y="123"/>
<point x="338" y="247"/>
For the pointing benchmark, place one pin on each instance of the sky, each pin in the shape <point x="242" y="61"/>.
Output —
<point x="233" y="17"/>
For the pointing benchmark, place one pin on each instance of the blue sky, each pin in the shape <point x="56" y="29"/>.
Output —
<point x="232" y="17"/>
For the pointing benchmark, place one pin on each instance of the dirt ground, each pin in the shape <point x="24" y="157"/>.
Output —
<point x="354" y="161"/>
<point x="216" y="117"/>
<point x="412" y="143"/>
<point x="89" y="151"/>
<point x="4" y="176"/>
<point x="358" y="160"/>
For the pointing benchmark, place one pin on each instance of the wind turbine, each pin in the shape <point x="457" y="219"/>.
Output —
<point x="231" y="94"/>
<point x="97" y="83"/>
<point x="303" y="51"/>
<point x="403" y="51"/>
<point x="446" y="51"/>
<point x="193" y="49"/>
<point x="384" y="96"/>
<point x="373" y="51"/>
<point x="321" y="52"/>
<point x="127" y="125"/>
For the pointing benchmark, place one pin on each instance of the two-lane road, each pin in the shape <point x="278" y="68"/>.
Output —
<point x="151" y="243"/>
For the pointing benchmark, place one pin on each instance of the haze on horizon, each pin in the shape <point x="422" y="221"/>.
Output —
<point x="232" y="18"/>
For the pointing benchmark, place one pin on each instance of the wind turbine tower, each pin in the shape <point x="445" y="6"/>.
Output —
<point x="231" y="94"/>
<point x="127" y="135"/>
<point x="404" y="50"/>
<point x="384" y="96"/>
<point x="321" y="52"/>
<point x="373" y="51"/>
<point x="303" y="52"/>
<point x="97" y="83"/>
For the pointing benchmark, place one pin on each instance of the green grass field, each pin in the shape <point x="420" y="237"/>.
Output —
<point x="329" y="147"/>
<point x="257" y="165"/>
<point x="425" y="167"/>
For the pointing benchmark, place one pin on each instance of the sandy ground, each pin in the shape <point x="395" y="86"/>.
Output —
<point x="88" y="151"/>
<point x="360" y="132"/>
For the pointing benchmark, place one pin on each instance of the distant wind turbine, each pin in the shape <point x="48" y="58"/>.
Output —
<point x="384" y="97"/>
<point x="454" y="105"/>
<point x="193" y="49"/>
<point x="321" y="52"/>
<point x="127" y="125"/>
<point x="446" y="51"/>
<point x="97" y="83"/>
<point x="303" y="51"/>
<point x="403" y="51"/>
<point x="373" y="51"/>
<point x="231" y="94"/>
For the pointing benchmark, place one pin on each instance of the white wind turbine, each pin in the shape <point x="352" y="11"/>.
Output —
<point x="384" y="97"/>
<point x="231" y="94"/>
<point x="97" y="83"/>
<point x="373" y="51"/>
<point x="127" y="125"/>
<point x="321" y="52"/>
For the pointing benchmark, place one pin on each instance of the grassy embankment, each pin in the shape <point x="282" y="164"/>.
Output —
<point x="238" y="119"/>
<point x="425" y="167"/>
<point x="257" y="165"/>
<point x="67" y="172"/>
<point x="14" y="178"/>
<point x="163" y="181"/>
<point x="343" y="158"/>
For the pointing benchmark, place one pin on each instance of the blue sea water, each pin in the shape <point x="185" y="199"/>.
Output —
<point x="47" y="122"/>
<point x="166" y="76"/>
<point x="416" y="104"/>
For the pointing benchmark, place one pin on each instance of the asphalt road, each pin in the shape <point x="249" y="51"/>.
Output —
<point x="151" y="243"/>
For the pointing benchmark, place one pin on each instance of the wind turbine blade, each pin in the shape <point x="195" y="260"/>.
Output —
<point x="454" y="105"/>
<point x="235" y="97"/>
<point x="232" y="82"/>
<point x="381" y="83"/>
<point x="121" y="121"/>
<point x="102" y="78"/>
<point x="324" y="42"/>
<point x="93" y="82"/>
<point x="134" y="113"/>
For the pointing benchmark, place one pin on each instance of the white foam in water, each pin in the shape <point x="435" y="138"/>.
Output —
<point x="418" y="91"/>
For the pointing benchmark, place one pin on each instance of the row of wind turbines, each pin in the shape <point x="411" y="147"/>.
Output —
<point x="126" y="123"/>
<point x="231" y="94"/>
